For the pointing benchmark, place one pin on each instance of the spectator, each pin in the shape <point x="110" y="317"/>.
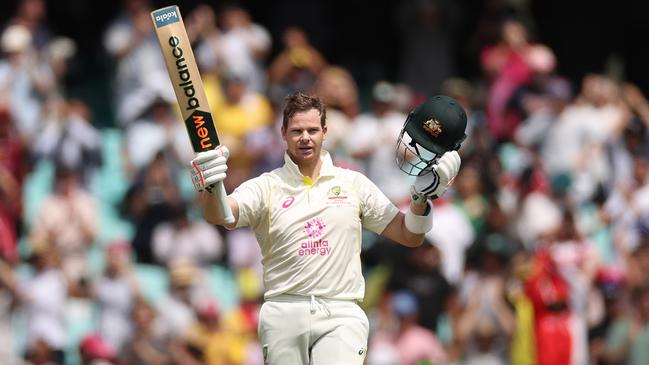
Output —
<point x="471" y="199"/>
<point x="506" y="68"/>
<point x="40" y="353"/>
<point x="487" y="323"/>
<point x="44" y="298"/>
<point x="140" y="72"/>
<point x="115" y="292"/>
<point x="485" y="352"/>
<point x="31" y="15"/>
<point x="157" y="130"/>
<point x="296" y="67"/>
<point x="12" y="174"/>
<point x="452" y="235"/>
<point x="421" y="275"/>
<point x="464" y="92"/>
<point x="549" y="294"/>
<point x="146" y="346"/>
<point x="538" y="103"/>
<point x="242" y="322"/>
<point x="244" y="252"/>
<point x="636" y="263"/>
<point x="639" y="333"/>
<point x="339" y="92"/>
<point x="176" y="310"/>
<point x="69" y="139"/>
<point x="577" y="261"/>
<point x="413" y="342"/>
<point x="182" y="239"/>
<point x="148" y="202"/>
<point x="447" y="326"/>
<point x="58" y="55"/>
<point x="69" y="219"/>
<point x="8" y="292"/>
<point x="206" y="341"/>
<point x="370" y="142"/>
<point x="245" y="45"/>
<point x="522" y="348"/>
<point x="94" y="350"/>
<point x="204" y="33"/>
<point x="243" y="113"/>
<point x="614" y="347"/>
<point x="626" y="224"/>
<point x="24" y="81"/>
<point x="576" y="143"/>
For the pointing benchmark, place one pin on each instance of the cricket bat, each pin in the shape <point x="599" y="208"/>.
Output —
<point x="183" y="71"/>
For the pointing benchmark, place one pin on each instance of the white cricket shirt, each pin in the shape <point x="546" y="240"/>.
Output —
<point x="310" y="231"/>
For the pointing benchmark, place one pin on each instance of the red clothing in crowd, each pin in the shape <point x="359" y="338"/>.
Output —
<point x="549" y="294"/>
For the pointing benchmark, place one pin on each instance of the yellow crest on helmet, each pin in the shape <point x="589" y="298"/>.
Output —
<point x="433" y="127"/>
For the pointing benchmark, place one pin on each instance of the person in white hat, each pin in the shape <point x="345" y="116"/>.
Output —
<point x="23" y="81"/>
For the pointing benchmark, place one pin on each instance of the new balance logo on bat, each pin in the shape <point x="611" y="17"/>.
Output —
<point x="202" y="132"/>
<point x="183" y="72"/>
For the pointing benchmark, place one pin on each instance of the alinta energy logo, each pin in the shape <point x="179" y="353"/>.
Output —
<point x="314" y="245"/>
<point x="314" y="228"/>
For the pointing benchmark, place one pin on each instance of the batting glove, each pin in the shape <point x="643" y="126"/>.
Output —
<point x="433" y="181"/>
<point x="209" y="167"/>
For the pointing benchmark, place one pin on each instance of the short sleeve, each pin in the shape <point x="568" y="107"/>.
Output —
<point x="377" y="211"/>
<point x="250" y="197"/>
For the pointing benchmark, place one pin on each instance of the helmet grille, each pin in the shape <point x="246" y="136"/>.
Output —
<point x="412" y="158"/>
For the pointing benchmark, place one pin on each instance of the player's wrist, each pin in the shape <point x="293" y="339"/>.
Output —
<point x="419" y="224"/>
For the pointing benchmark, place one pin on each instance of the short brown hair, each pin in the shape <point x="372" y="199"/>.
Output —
<point x="299" y="102"/>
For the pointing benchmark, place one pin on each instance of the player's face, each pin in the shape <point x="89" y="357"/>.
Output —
<point x="304" y="136"/>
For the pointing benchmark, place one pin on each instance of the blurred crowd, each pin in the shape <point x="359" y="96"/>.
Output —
<point x="539" y="252"/>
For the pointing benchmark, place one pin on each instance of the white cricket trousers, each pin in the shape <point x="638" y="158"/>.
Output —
<point x="298" y="330"/>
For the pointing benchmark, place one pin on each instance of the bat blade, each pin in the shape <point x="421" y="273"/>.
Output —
<point x="186" y="80"/>
<point x="188" y="86"/>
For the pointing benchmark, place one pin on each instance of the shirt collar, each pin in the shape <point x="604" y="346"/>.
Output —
<point x="326" y="169"/>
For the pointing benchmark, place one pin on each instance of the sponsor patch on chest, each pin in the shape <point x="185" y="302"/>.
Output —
<point x="315" y="245"/>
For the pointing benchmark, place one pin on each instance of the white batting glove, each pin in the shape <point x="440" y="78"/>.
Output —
<point x="434" y="180"/>
<point x="209" y="167"/>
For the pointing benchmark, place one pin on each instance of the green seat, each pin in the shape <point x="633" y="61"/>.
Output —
<point x="153" y="281"/>
<point x="223" y="286"/>
<point x="37" y="186"/>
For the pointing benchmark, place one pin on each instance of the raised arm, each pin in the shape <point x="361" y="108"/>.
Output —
<point x="212" y="212"/>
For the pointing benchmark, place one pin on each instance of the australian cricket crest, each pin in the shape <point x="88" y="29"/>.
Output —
<point x="337" y="196"/>
<point x="336" y="193"/>
<point x="433" y="127"/>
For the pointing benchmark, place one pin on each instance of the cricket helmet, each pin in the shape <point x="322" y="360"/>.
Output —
<point x="433" y="128"/>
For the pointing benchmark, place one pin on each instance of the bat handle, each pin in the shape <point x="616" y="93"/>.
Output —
<point x="222" y="198"/>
